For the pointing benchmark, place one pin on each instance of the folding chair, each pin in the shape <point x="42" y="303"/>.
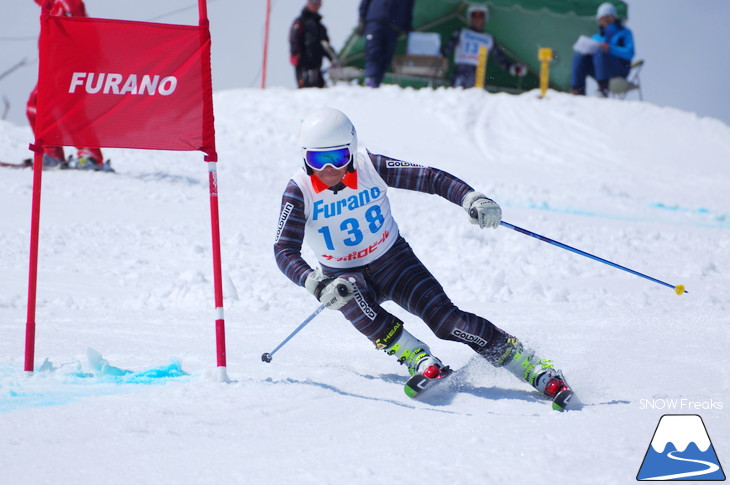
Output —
<point x="619" y="87"/>
<point x="423" y="57"/>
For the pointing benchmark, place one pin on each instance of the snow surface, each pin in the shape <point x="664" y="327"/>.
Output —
<point x="125" y="337"/>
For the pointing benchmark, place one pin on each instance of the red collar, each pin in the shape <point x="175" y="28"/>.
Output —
<point x="350" y="180"/>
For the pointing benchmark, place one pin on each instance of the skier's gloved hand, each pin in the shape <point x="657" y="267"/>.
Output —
<point x="294" y="60"/>
<point x="518" y="69"/>
<point x="333" y="293"/>
<point x="482" y="210"/>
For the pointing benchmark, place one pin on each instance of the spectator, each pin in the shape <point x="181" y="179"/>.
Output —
<point x="338" y="199"/>
<point x="382" y="21"/>
<point x="53" y="157"/>
<point x="308" y="44"/>
<point x="613" y="55"/>
<point x="466" y="43"/>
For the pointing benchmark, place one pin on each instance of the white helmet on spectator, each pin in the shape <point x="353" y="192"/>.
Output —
<point x="477" y="7"/>
<point x="327" y="130"/>
<point x="606" y="9"/>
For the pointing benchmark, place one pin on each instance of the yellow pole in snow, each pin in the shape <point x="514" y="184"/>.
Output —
<point x="481" y="79"/>
<point x="544" y="55"/>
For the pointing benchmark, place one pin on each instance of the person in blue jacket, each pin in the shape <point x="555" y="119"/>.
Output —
<point x="381" y="22"/>
<point x="613" y="58"/>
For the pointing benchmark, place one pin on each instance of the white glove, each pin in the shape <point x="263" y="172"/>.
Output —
<point x="482" y="210"/>
<point x="333" y="293"/>
<point x="518" y="69"/>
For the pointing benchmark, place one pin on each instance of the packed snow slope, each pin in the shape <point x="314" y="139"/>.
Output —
<point x="126" y="388"/>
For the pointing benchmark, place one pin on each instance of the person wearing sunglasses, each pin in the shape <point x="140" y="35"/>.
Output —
<point x="338" y="202"/>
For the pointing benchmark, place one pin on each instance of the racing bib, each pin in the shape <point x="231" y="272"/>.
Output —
<point x="467" y="52"/>
<point x="352" y="227"/>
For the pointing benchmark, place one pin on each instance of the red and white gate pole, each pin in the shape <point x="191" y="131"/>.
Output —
<point x="266" y="44"/>
<point x="220" y="332"/>
<point x="35" y="221"/>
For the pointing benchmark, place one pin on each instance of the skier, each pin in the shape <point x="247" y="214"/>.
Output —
<point x="338" y="201"/>
<point x="466" y="43"/>
<point x="613" y="59"/>
<point x="308" y="44"/>
<point x="53" y="157"/>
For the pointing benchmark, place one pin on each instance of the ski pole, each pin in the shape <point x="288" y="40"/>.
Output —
<point x="678" y="289"/>
<point x="266" y="356"/>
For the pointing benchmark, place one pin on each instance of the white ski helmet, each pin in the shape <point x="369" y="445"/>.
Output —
<point x="477" y="7"/>
<point x="606" y="9"/>
<point x="327" y="128"/>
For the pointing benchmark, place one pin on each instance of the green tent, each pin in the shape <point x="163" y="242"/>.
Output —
<point x="520" y="27"/>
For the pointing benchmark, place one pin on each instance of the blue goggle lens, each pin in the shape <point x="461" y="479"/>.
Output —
<point x="318" y="159"/>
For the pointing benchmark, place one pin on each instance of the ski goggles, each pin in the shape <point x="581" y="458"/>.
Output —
<point x="318" y="159"/>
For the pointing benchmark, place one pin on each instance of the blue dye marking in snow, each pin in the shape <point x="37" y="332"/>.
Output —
<point x="716" y="220"/>
<point x="152" y="376"/>
<point x="544" y="206"/>
<point x="19" y="393"/>
<point x="702" y="217"/>
<point x="676" y="208"/>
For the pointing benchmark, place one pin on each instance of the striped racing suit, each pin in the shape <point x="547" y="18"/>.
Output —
<point x="354" y="236"/>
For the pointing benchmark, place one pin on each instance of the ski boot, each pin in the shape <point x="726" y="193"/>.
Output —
<point x="557" y="389"/>
<point x="539" y="373"/>
<point x="86" y="162"/>
<point x="423" y="367"/>
<point x="50" y="162"/>
<point x="82" y="163"/>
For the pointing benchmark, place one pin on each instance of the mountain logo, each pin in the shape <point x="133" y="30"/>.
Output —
<point x="681" y="450"/>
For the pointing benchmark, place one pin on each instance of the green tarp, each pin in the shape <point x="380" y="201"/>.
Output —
<point x="520" y="27"/>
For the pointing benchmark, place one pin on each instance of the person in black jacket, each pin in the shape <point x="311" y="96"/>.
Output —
<point x="381" y="22"/>
<point x="308" y="44"/>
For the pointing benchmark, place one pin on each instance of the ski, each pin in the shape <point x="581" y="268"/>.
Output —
<point x="419" y="383"/>
<point x="28" y="163"/>
<point x="565" y="400"/>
